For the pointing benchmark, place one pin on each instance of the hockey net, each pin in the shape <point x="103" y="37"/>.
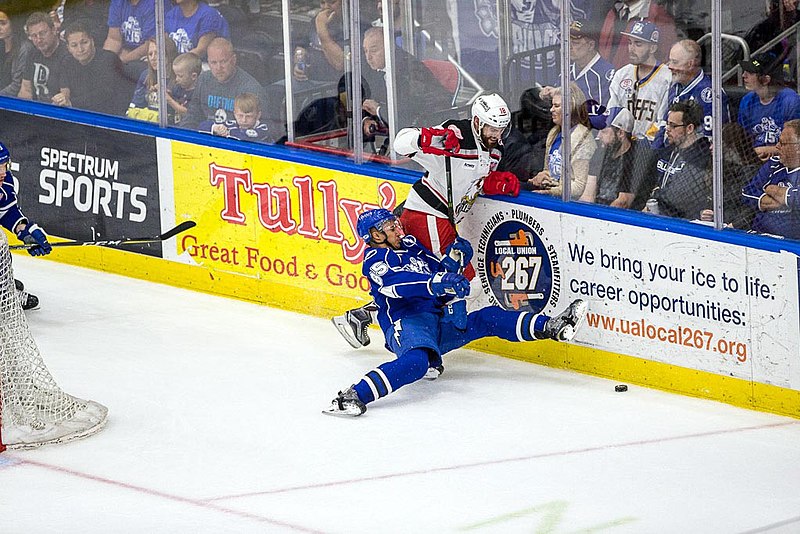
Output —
<point x="34" y="411"/>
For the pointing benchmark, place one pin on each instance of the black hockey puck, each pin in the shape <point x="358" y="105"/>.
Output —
<point x="620" y="388"/>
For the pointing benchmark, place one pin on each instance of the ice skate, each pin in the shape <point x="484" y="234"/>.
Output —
<point x="28" y="301"/>
<point x="434" y="372"/>
<point x="353" y="325"/>
<point x="346" y="404"/>
<point x="563" y="326"/>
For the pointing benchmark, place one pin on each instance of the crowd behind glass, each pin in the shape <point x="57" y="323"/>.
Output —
<point x="639" y="99"/>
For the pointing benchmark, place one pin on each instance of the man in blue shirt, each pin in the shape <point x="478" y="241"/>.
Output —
<point x="774" y="191"/>
<point x="768" y="105"/>
<point x="689" y="82"/>
<point x="411" y="288"/>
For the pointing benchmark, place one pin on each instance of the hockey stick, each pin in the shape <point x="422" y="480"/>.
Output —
<point x="182" y="227"/>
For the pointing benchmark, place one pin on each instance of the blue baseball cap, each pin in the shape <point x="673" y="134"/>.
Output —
<point x="643" y="30"/>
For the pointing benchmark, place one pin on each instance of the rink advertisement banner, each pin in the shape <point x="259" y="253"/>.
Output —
<point x="277" y="221"/>
<point x="84" y="183"/>
<point x="659" y="296"/>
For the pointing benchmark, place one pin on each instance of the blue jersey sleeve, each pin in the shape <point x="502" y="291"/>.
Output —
<point x="10" y="214"/>
<point x="753" y="191"/>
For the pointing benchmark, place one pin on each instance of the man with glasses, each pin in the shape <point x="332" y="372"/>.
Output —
<point x="689" y="82"/>
<point x="42" y="80"/>
<point x="683" y="186"/>
<point x="774" y="192"/>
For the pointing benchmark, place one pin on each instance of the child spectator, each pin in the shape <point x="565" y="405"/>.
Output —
<point x="246" y="126"/>
<point x="187" y="67"/>
<point x="144" y="104"/>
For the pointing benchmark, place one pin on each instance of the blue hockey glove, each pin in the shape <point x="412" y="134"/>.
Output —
<point x="34" y="235"/>
<point x="449" y="284"/>
<point x="457" y="255"/>
<point x="456" y="313"/>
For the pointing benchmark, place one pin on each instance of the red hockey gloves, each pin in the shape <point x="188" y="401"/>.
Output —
<point x="439" y="141"/>
<point x="501" y="183"/>
<point x="449" y="284"/>
<point x="34" y="235"/>
<point x="457" y="255"/>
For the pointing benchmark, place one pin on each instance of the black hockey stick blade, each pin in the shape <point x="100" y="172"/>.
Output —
<point x="182" y="227"/>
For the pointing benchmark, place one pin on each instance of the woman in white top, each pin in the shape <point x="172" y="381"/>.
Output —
<point x="582" y="145"/>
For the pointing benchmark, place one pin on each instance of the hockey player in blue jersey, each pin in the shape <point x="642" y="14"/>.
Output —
<point x="411" y="288"/>
<point x="12" y="219"/>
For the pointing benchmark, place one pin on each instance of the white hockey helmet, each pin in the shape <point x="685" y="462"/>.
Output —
<point x="491" y="110"/>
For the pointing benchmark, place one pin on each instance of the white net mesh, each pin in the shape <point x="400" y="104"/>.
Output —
<point x="34" y="411"/>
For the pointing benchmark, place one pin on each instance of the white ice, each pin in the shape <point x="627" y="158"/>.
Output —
<point x="215" y="427"/>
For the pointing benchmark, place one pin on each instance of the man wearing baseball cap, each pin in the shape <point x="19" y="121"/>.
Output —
<point x="764" y="110"/>
<point x="616" y="176"/>
<point x="613" y="44"/>
<point x="589" y="70"/>
<point x="642" y="85"/>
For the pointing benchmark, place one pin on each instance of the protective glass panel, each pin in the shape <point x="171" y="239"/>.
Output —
<point x="761" y="154"/>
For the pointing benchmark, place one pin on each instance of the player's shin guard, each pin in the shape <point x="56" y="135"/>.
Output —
<point x="391" y="376"/>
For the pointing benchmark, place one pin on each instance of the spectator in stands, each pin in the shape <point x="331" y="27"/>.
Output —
<point x="217" y="88"/>
<point x="193" y="24"/>
<point x="689" y="82"/>
<point x="420" y="97"/>
<point x="620" y="19"/>
<point x="582" y="146"/>
<point x="246" y="124"/>
<point x="187" y="68"/>
<point x="93" y="14"/>
<point x="615" y="172"/>
<point x="15" y="54"/>
<point x="523" y="149"/>
<point x="42" y="78"/>
<point x="781" y="15"/>
<point x="130" y="24"/>
<point x="642" y="85"/>
<point x="740" y="164"/>
<point x="93" y="79"/>
<point x="773" y="192"/>
<point x="533" y="121"/>
<point x="589" y="71"/>
<point x="683" y="189"/>
<point x="768" y="105"/>
<point x="328" y="113"/>
<point x="324" y="53"/>
<point x="144" y="104"/>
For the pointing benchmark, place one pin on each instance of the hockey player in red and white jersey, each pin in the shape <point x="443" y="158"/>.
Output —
<point x="472" y="148"/>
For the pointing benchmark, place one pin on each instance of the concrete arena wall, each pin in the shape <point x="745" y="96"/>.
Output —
<point x="282" y="233"/>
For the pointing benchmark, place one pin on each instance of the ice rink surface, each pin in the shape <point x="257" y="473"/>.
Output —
<point x="215" y="427"/>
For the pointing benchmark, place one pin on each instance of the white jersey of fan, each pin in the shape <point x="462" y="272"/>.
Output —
<point x="647" y="98"/>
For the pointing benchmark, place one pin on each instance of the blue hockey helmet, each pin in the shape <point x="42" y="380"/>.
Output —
<point x="372" y="219"/>
<point x="5" y="155"/>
